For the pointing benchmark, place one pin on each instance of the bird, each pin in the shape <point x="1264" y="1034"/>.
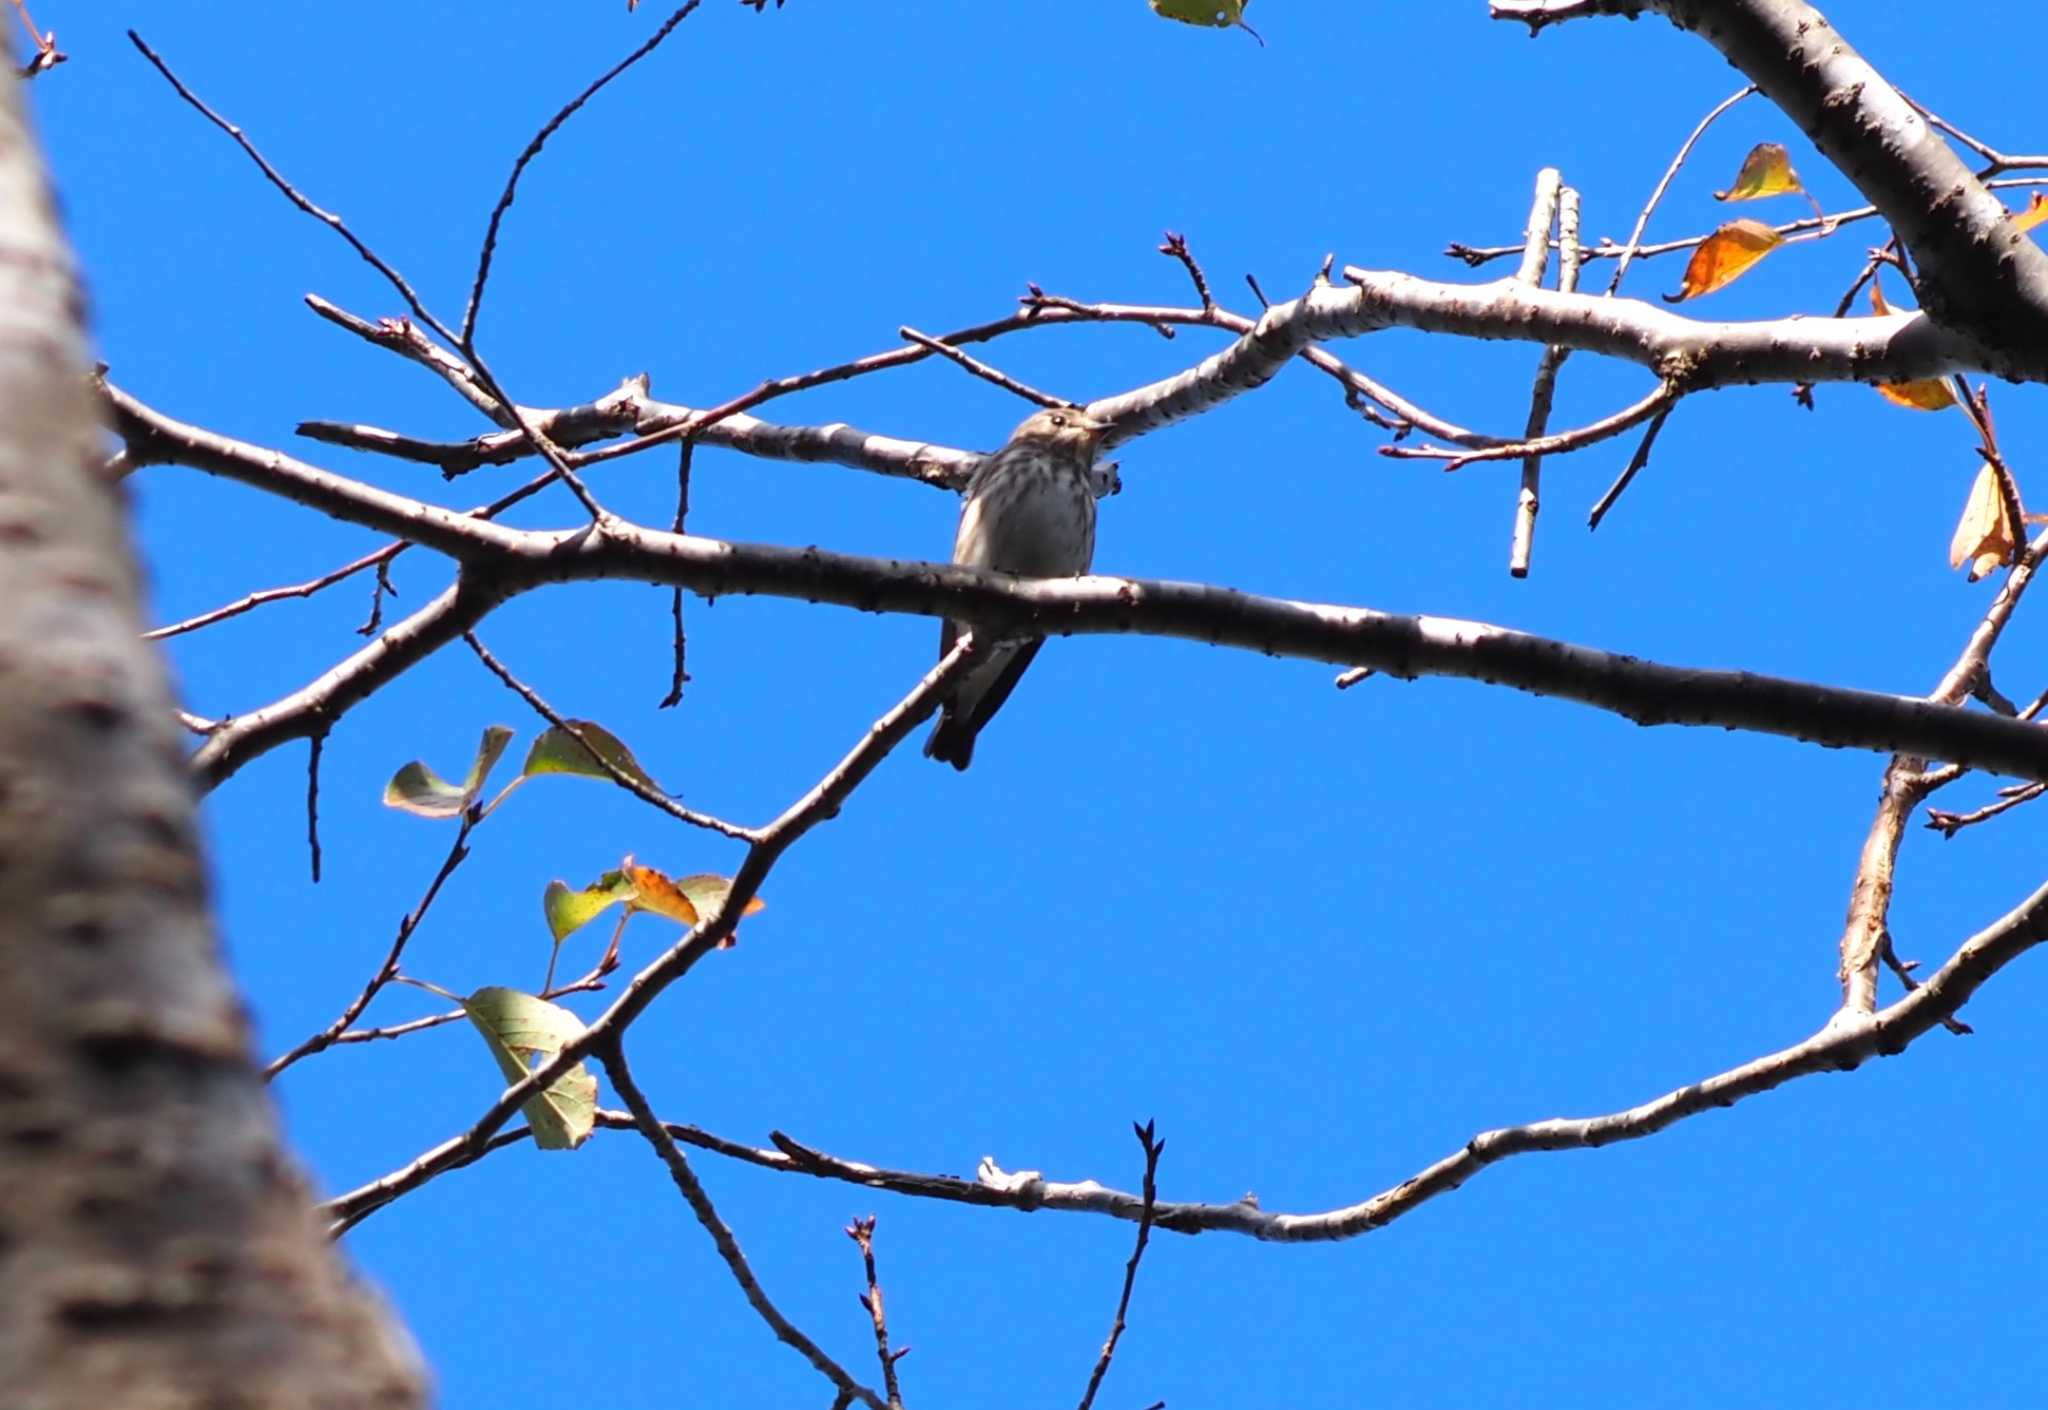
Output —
<point x="1029" y="510"/>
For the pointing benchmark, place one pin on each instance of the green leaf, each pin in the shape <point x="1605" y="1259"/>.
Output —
<point x="569" y="911"/>
<point x="518" y="1028"/>
<point x="417" y="789"/>
<point x="1217" y="14"/>
<point x="559" y="752"/>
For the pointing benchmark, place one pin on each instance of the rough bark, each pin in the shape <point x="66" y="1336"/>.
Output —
<point x="156" y="1245"/>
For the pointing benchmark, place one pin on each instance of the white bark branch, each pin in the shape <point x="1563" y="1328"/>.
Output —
<point x="1977" y="273"/>
<point x="500" y="562"/>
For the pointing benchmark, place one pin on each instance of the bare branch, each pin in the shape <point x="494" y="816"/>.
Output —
<point x="1844" y="1044"/>
<point x="654" y="797"/>
<point x="1635" y="234"/>
<point x="1529" y="497"/>
<point x="458" y="852"/>
<point x="862" y="1232"/>
<point x="1975" y="276"/>
<point x="292" y="193"/>
<point x="1629" y="472"/>
<point x="1657" y="404"/>
<point x="548" y="129"/>
<point x="822" y="801"/>
<point x="1406" y="647"/>
<point x="1153" y="1148"/>
<point x="981" y="369"/>
<point x="614" y="1059"/>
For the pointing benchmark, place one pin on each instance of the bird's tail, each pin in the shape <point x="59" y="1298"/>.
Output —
<point x="951" y="741"/>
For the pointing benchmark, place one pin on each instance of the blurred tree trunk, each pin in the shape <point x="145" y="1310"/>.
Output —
<point x="156" y="1246"/>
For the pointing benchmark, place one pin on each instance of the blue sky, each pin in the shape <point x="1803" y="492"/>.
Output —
<point x="1321" y="937"/>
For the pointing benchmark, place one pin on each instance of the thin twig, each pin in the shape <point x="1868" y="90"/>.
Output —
<point x="1528" y="497"/>
<point x="402" y="336"/>
<point x="821" y="801"/>
<point x="547" y="448"/>
<point x="548" y="129"/>
<point x="981" y="369"/>
<point x="379" y="590"/>
<point x="1635" y="464"/>
<point x="681" y="676"/>
<point x="1903" y="969"/>
<point x="1153" y="1147"/>
<point x="613" y="1056"/>
<point x="277" y="594"/>
<point x="637" y="787"/>
<point x="316" y="742"/>
<point x="862" y="1232"/>
<point x="1635" y="234"/>
<point x="1175" y="246"/>
<point x="589" y="983"/>
<point x="1949" y="824"/>
<point x="1658" y="402"/>
<point x="326" y="1038"/>
<point x="292" y="193"/>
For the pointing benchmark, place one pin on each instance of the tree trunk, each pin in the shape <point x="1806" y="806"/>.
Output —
<point x="156" y="1245"/>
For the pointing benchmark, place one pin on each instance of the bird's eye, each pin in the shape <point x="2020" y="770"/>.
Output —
<point x="1058" y="420"/>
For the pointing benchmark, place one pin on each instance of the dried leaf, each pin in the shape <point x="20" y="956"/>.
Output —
<point x="1985" y="536"/>
<point x="1724" y="256"/>
<point x="1218" y="14"/>
<point x="1766" y="171"/>
<point x="518" y="1028"/>
<point x="688" y="900"/>
<point x="417" y="789"/>
<point x="1927" y="394"/>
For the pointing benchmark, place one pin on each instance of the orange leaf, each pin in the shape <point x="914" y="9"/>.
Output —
<point x="683" y="900"/>
<point x="2033" y="215"/>
<point x="1723" y="256"/>
<point x="652" y="891"/>
<point x="1929" y="394"/>
<point x="1984" y="537"/>
<point x="1766" y="171"/>
<point x="1932" y="394"/>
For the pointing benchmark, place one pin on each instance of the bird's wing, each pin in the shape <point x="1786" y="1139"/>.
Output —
<point x="991" y="700"/>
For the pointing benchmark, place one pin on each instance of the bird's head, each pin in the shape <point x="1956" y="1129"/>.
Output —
<point x="1064" y="426"/>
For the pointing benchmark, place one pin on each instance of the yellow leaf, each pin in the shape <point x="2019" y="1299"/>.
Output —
<point x="569" y="911"/>
<point x="1217" y="14"/>
<point x="1929" y="394"/>
<point x="2033" y="215"/>
<point x="1984" y="537"/>
<point x="1766" y="171"/>
<point x="1723" y="256"/>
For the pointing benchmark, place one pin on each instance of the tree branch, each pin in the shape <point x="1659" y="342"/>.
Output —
<point x="1977" y="273"/>
<point x="822" y="801"/>
<point x="693" y="1192"/>
<point x="502" y="562"/>
<point x="1845" y="1043"/>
